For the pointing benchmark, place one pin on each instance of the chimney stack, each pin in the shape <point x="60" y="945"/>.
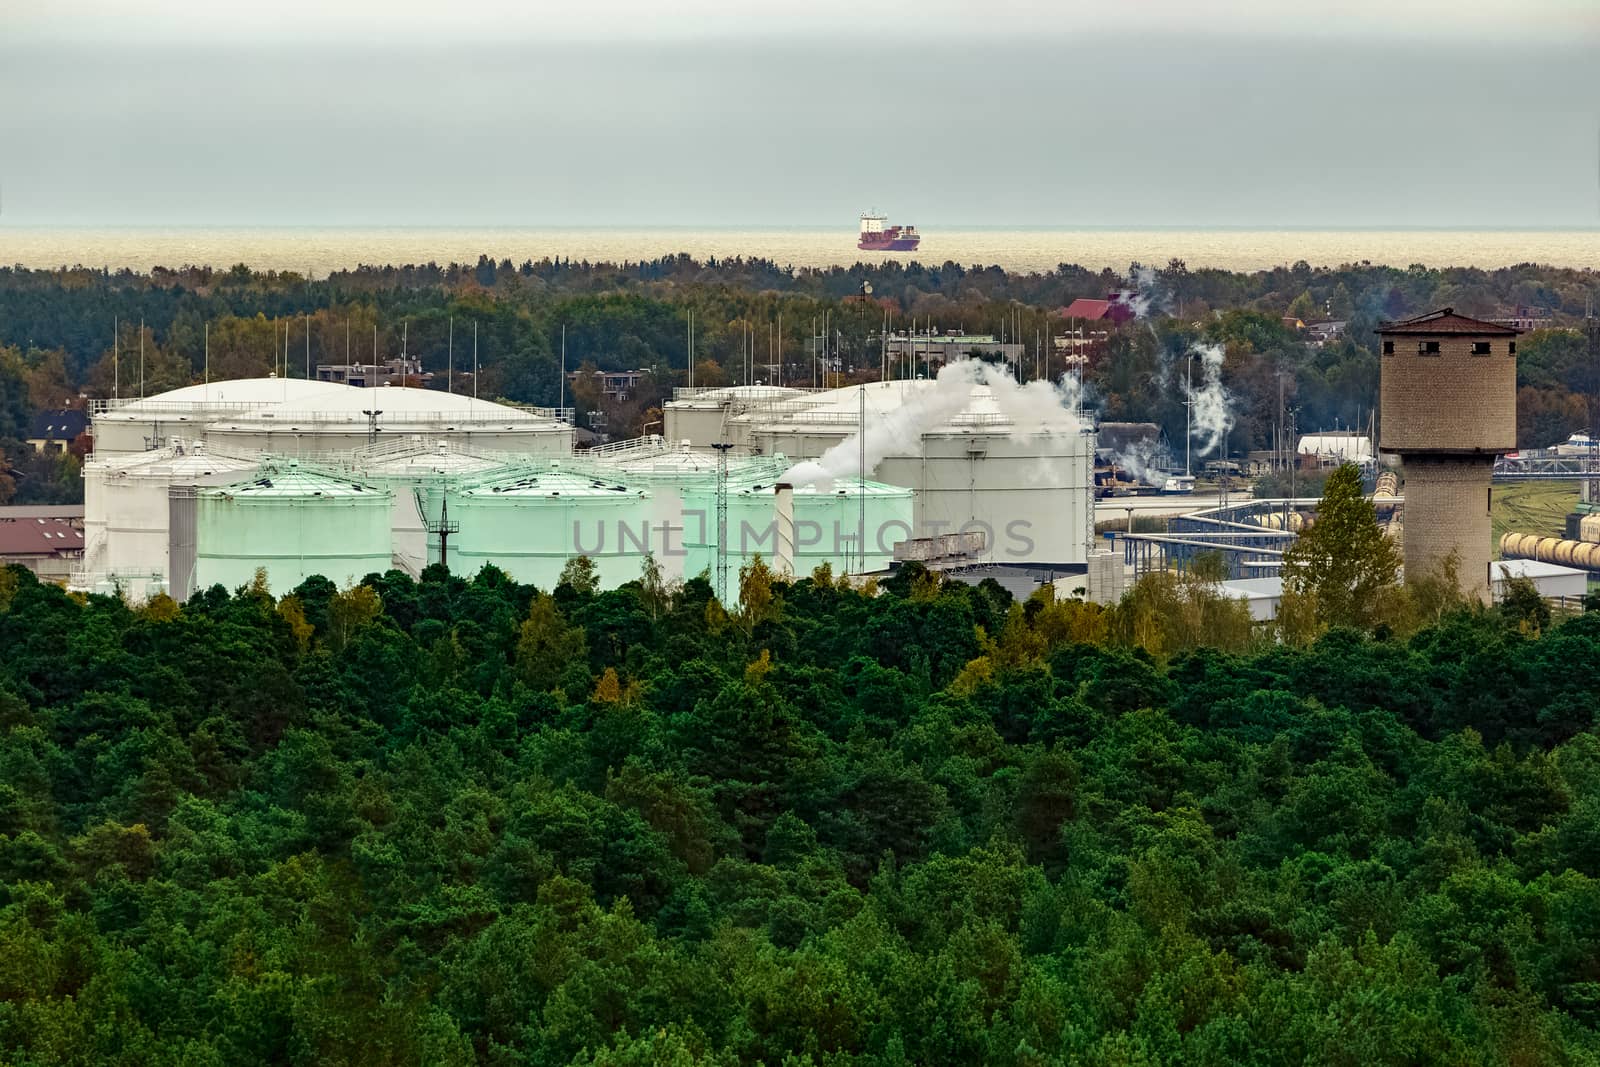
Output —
<point x="783" y="515"/>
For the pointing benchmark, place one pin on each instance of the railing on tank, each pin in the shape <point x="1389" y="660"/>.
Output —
<point x="734" y="392"/>
<point x="103" y="405"/>
<point x="277" y="413"/>
<point x="446" y="420"/>
<point x="650" y="442"/>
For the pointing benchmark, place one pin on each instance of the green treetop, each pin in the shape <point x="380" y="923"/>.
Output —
<point x="1343" y="562"/>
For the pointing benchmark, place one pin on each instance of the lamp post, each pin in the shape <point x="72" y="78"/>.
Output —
<point x="1188" y="418"/>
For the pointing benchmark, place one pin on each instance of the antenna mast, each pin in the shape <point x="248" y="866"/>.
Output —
<point x="444" y="528"/>
<point x="861" y="479"/>
<point x="722" y="521"/>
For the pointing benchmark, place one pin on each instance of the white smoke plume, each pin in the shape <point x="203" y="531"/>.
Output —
<point x="1038" y="406"/>
<point x="1142" y="461"/>
<point x="900" y="429"/>
<point x="1209" y="402"/>
<point x="1146" y="295"/>
<point x="1031" y="408"/>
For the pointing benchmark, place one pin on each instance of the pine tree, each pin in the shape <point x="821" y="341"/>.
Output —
<point x="1343" y="562"/>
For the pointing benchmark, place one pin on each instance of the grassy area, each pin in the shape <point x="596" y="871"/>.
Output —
<point x="1532" y="507"/>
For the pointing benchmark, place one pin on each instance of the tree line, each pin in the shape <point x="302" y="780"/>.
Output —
<point x="462" y="820"/>
<point x="75" y="332"/>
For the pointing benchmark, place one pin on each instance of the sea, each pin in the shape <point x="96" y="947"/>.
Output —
<point x="320" y="250"/>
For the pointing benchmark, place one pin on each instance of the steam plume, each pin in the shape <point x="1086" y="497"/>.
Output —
<point x="1036" y="407"/>
<point x="1209" y="401"/>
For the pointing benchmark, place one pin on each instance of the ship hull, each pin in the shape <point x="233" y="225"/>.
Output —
<point x="896" y="244"/>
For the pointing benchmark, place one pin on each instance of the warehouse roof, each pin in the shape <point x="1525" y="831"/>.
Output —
<point x="41" y="511"/>
<point x="1530" y="568"/>
<point x="38" y="537"/>
<point x="1445" y="322"/>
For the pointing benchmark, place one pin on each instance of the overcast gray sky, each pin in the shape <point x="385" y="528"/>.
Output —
<point x="647" y="112"/>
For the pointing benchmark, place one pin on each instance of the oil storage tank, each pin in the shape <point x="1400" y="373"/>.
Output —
<point x="698" y="417"/>
<point x="829" y="519"/>
<point x="126" y="517"/>
<point x="668" y="473"/>
<point x="531" y="524"/>
<point x="294" y="521"/>
<point x="981" y="453"/>
<point x="143" y="424"/>
<point x="420" y="474"/>
<point x="349" y="419"/>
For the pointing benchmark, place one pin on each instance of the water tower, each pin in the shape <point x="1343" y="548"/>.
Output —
<point x="1448" y="396"/>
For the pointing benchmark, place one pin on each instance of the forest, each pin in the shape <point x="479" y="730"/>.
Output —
<point x="756" y="319"/>
<point x="461" y="821"/>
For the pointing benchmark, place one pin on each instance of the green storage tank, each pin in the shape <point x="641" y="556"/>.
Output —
<point x="530" y="525"/>
<point x="828" y="521"/>
<point x="295" y="522"/>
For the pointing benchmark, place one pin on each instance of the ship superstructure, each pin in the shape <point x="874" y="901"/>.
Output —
<point x="877" y="236"/>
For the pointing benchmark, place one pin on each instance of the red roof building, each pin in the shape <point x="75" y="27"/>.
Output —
<point x="1114" y="309"/>
<point x="47" y="546"/>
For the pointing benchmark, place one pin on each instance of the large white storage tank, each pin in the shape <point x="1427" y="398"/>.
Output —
<point x="350" y="419"/>
<point x="126" y="513"/>
<point x="829" y="521"/>
<point x="1018" y="471"/>
<point x="699" y="416"/>
<point x="530" y="525"/>
<point x="141" y="425"/>
<point x="295" y="522"/>
<point x="420" y="474"/>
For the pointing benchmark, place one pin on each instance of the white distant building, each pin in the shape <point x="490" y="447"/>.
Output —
<point x="1261" y="595"/>
<point x="1551" y="579"/>
<point x="1334" y="447"/>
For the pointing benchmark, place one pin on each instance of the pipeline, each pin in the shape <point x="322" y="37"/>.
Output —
<point x="1274" y="520"/>
<point x="1584" y="554"/>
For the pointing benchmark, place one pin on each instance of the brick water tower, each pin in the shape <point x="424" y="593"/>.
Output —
<point x="1448" y="408"/>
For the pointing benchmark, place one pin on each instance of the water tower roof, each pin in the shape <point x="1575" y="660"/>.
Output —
<point x="1445" y="323"/>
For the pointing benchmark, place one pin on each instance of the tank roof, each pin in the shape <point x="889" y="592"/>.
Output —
<point x="177" y="462"/>
<point x="552" y="482"/>
<point x="237" y="391"/>
<point x="424" y="460"/>
<point x="721" y="394"/>
<point x="841" y="407"/>
<point x="764" y="482"/>
<point x="290" y="480"/>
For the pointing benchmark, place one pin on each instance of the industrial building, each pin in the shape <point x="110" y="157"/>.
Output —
<point x="204" y="484"/>
<point x="1448" y="405"/>
<point x="1024" y="482"/>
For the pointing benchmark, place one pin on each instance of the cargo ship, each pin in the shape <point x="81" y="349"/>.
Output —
<point x="876" y="237"/>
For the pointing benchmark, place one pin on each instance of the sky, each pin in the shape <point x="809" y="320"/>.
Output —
<point x="1005" y="113"/>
